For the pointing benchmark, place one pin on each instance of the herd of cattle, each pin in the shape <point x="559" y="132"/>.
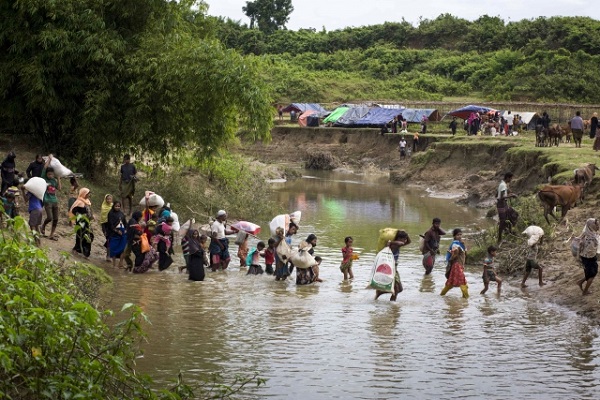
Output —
<point x="567" y="196"/>
<point x="552" y="136"/>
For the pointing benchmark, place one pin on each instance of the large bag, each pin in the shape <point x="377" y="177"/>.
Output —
<point x="176" y="226"/>
<point x="280" y="221"/>
<point x="534" y="233"/>
<point x="284" y="251"/>
<point x="153" y="200"/>
<point x="60" y="171"/>
<point x="302" y="258"/>
<point x="144" y="243"/>
<point x="421" y="244"/>
<point x="240" y="238"/>
<point x="37" y="187"/>
<point x="384" y="271"/>
<point x="385" y="235"/>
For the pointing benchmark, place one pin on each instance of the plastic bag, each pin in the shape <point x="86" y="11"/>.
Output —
<point x="37" y="187"/>
<point x="153" y="200"/>
<point x="284" y="251"/>
<point x="144" y="244"/>
<point x="302" y="258"/>
<point x="241" y="238"/>
<point x="280" y="221"/>
<point x="384" y="271"/>
<point x="59" y="170"/>
<point x="385" y="235"/>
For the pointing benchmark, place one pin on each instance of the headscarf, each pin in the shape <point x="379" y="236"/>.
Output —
<point x="81" y="201"/>
<point x="104" y="209"/>
<point x="590" y="228"/>
<point x="115" y="218"/>
<point x="194" y="243"/>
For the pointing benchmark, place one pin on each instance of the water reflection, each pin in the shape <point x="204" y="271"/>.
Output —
<point x="332" y="340"/>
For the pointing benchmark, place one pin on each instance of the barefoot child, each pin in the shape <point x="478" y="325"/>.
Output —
<point x="456" y="275"/>
<point x="531" y="262"/>
<point x="315" y="269"/>
<point x="253" y="259"/>
<point x="489" y="270"/>
<point x="270" y="256"/>
<point x="347" y="254"/>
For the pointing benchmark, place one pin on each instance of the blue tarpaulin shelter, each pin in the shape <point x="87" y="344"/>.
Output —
<point x="377" y="117"/>
<point x="301" y="107"/>
<point x="351" y="116"/>
<point x="467" y="110"/>
<point x="416" y="114"/>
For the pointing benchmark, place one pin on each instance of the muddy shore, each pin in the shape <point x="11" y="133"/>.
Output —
<point x="465" y="173"/>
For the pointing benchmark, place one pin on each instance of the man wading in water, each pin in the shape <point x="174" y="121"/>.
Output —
<point x="431" y="244"/>
<point x="506" y="215"/>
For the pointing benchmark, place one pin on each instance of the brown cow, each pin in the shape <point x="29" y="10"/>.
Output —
<point x="584" y="175"/>
<point x="565" y="196"/>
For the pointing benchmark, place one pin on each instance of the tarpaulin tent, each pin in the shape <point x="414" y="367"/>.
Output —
<point x="467" y="110"/>
<point x="312" y="120"/>
<point x="377" y="117"/>
<point x="527" y="118"/>
<point x="303" y="118"/>
<point x="416" y="114"/>
<point x="351" y="116"/>
<point x="335" y="115"/>
<point x="302" y="107"/>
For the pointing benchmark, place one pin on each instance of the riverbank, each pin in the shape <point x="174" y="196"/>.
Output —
<point x="469" y="169"/>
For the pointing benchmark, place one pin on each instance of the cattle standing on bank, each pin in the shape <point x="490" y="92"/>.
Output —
<point x="565" y="196"/>
<point x="584" y="175"/>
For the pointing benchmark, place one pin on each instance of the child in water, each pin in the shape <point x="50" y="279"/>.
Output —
<point x="531" y="263"/>
<point x="253" y="261"/>
<point x="489" y="270"/>
<point x="347" y="257"/>
<point x="315" y="269"/>
<point x="270" y="256"/>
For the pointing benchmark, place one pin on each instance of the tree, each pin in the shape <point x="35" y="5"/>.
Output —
<point x="270" y="15"/>
<point x="93" y="79"/>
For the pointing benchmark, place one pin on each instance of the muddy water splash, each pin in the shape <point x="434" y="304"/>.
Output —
<point x="332" y="340"/>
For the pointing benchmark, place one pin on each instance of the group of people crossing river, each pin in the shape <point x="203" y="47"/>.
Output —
<point x="148" y="237"/>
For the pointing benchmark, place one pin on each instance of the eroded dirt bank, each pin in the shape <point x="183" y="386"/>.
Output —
<point x="471" y="169"/>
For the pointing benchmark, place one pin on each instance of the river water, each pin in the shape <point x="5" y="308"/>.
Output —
<point x="332" y="340"/>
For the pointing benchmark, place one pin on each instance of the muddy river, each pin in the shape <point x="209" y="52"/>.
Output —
<point x="332" y="340"/>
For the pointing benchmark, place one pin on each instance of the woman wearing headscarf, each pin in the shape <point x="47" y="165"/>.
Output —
<point x="594" y="131"/>
<point x="8" y="171"/>
<point x="104" y="210"/>
<point x="196" y="255"/>
<point x="304" y="276"/>
<point x="117" y="239"/>
<point x="162" y="240"/>
<point x="81" y="212"/>
<point x="456" y="276"/>
<point x="588" y="249"/>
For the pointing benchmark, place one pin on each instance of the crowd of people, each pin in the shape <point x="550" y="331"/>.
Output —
<point x="149" y="237"/>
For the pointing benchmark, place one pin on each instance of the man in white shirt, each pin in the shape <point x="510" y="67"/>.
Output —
<point x="402" y="147"/>
<point x="219" y="244"/>
<point x="510" y="121"/>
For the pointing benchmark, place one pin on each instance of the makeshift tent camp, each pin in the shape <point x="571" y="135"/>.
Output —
<point x="302" y="107"/>
<point x="529" y="119"/>
<point x="416" y="114"/>
<point x="351" y="116"/>
<point x="377" y="117"/>
<point x="335" y="115"/>
<point x="303" y="119"/>
<point x="312" y="120"/>
<point x="467" y="110"/>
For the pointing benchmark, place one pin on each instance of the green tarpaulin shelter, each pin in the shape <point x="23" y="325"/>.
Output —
<point x="335" y="115"/>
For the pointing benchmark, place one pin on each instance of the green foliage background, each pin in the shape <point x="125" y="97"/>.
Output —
<point x="544" y="59"/>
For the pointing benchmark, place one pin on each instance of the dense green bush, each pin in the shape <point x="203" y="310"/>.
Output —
<point x="54" y="344"/>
